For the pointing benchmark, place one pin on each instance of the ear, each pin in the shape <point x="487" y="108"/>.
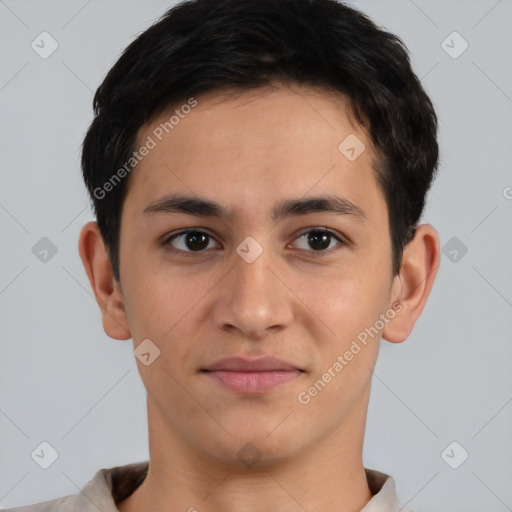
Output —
<point x="411" y="287"/>
<point x="106" y="289"/>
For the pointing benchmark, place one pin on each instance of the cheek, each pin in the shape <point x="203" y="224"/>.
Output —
<point x="348" y="354"/>
<point x="160" y="299"/>
<point x="346" y="305"/>
<point x="162" y="310"/>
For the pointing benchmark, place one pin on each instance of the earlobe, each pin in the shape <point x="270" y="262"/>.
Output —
<point x="420" y="263"/>
<point x="106" y="290"/>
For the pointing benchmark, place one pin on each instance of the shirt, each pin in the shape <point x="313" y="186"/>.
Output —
<point x="112" y="485"/>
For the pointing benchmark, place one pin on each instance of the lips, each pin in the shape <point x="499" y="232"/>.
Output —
<point x="252" y="376"/>
<point x="240" y="364"/>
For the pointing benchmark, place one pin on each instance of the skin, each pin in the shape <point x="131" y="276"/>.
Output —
<point x="249" y="151"/>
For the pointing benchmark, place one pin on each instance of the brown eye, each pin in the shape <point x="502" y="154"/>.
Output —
<point x="190" y="241"/>
<point x="319" y="240"/>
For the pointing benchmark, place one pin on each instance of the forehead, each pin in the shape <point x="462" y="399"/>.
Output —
<point x="246" y="148"/>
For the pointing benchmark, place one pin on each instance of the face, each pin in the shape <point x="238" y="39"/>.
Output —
<point x="255" y="275"/>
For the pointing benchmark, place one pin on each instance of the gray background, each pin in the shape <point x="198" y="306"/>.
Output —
<point x="63" y="381"/>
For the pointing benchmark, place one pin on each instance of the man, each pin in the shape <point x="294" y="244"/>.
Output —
<point x="257" y="171"/>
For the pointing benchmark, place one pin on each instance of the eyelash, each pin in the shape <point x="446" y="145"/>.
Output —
<point x="318" y="253"/>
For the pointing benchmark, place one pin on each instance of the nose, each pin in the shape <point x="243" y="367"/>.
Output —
<point x="254" y="298"/>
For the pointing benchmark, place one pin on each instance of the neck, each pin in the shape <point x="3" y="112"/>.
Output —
<point x="328" y="476"/>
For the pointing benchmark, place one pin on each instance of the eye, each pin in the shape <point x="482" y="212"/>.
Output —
<point x="320" y="239"/>
<point x="192" y="240"/>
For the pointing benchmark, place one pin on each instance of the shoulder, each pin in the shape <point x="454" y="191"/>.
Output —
<point x="383" y="489"/>
<point x="64" y="504"/>
<point x="108" y="487"/>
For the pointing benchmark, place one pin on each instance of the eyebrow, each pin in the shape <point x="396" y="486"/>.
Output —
<point x="202" y="207"/>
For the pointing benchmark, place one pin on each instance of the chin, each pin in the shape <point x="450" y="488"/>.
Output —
<point x="255" y="449"/>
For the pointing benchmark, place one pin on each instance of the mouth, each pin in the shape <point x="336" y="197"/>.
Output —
<point x="252" y="376"/>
